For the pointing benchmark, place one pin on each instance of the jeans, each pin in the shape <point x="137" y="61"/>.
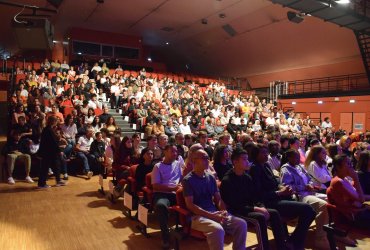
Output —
<point x="294" y="209"/>
<point x="87" y="160"/>
<point x="215" y="232"/>
<point x="161" y="203"/>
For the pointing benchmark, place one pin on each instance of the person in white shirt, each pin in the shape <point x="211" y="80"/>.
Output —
<point x="317" y="167"/>
<point x="96" y="68"/>
<point x="64" y="66"/>
<point x="326" y="123"/>
<point x="270" y="120"/>
<point x="294" y="175"/>
<point x="83" y="150"/>
<point x="185" y="128"/>
<point x="94" y="103"/>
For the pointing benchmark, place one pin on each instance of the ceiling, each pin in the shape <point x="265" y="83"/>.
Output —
<point x="265" y="40"/>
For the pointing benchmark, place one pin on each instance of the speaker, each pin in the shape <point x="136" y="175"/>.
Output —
<point x="34" y="34"/>
<point x="295" y="17"/>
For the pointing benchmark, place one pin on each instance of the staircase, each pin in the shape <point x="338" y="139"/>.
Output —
<point x="363" y="40"/>
<point x="126" y="127"/>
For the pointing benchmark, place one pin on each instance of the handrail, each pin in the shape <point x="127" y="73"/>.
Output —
<point x="329" y="84"/>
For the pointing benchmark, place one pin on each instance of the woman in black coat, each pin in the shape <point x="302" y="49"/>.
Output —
<point x="49" y="152"/>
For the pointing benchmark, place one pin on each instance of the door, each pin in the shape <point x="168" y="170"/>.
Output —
<point x="346" y="121"/>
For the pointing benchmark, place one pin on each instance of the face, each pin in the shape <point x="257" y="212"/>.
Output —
<point x="226" y="154"/>
<point x="163" y="140"/>
<point x="322" y="155"/>
<point x="295" y="145"/>
<point x="294" y="159"/>
<point x="201" y="160"/>
<point x="302" y="142"/>
<point x="99" y="137"/>
<point x="180" y="139"/>
<point x="171" y="153"/>
<point x="242" y="162"/>
<point x="128" y="143"/>
<point x="152" y="143"/>
<point x="148" y="156"/>
<point x="263" y="155"/>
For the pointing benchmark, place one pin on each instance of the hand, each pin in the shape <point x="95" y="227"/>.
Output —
<point x="310" y="188"/>
<point x="285" y="191"/>
<point x="219" y="216"/>
<point x="263" y="211"/>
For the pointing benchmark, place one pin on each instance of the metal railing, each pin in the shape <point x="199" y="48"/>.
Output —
<point x="318" y="85"/>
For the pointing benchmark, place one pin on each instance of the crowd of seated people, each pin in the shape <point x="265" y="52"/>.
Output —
<point x="282" y="161"/>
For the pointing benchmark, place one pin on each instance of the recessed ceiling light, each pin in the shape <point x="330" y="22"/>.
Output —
<point x="79" y="53"/>
<point x="167" y="43"/>
<point x="204" y="21"/>
<point x="149" y="59"/>
<point x="222" y="15"/>
<point x="320" y="102"/>
<point x="352" y="101"/>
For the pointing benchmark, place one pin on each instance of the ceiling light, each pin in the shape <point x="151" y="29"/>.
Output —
<point x="222" y="15"/>
<point x="352" y="101"/>
<point x="342" y="1"/>
<point x="79" y="53"/>
<point x="149" y="59"/>
<point x="167" y="43"/>
<point x="204" y="21"/>
<point x="54" y="41"/>
<point x="294" y="103"/>
<point x="320" y="102"/>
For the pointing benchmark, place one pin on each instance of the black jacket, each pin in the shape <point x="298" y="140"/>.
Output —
<point x="97" y="148"/>
<point x="49" y="144"/>
<point x="239" y="194"/>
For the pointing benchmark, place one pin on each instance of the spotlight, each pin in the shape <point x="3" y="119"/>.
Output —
<point x="320" y="102"/>
<point x="204" y="21"/>
<point x="295" y="17"/>
<point x="149" y="59"/>
<point x="352" y="101"/>
<point x="294" y="103"/>
<point x="342" y="1"/>
<point x="167" y="43"/>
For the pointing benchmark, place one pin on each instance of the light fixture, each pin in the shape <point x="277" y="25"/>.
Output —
<point x="294" y="103"/>
<point x="79" y="53"/>
<point x="54" y="41"/>
<point x="222" y="15"/>
<point x="320" y="102"/>
<point x="342" y="1"/>
<point x="204" y="21"/>
<point x="167" y="43"/>
<point x="352" y="101"/>
<point x="149" y="59"/>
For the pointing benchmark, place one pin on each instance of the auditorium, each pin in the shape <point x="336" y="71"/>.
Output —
<point x="185" y="124"/>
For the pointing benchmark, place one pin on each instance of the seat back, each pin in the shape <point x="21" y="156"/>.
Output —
<point x="185" y="220"/>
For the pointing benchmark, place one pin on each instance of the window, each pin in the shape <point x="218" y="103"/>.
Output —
<point x="129" y="53"/>
<point x="107" y="50"/>
<point x="86" y="48"/>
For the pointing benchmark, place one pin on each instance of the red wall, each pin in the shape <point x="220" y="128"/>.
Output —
<point x="332" y="108"/>
<point x="354" y="66"/>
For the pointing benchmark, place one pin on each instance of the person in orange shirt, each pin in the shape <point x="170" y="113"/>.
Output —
<point x="54" y="112"/>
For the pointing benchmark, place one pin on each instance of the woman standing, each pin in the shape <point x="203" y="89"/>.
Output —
<point x="49" y="152"/>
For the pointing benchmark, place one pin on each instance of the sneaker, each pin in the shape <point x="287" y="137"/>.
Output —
<point x="44" y="187"/>
<point x="60" y="184"/>
<point x="51" y="171"/>
<point x="29" y="179"/>
<point x="89" y="174"/>
<point x="11" y="181"/>
<point x="65" y="177"/>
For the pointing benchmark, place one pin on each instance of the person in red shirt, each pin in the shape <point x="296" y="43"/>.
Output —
<point x="346" y="196"/>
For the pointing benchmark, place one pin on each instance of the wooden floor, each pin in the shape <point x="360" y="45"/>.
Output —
<point x="78" y="217"/>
